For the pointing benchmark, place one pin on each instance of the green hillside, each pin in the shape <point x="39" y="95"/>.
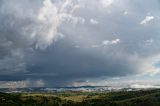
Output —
<point x="121" y="98"/>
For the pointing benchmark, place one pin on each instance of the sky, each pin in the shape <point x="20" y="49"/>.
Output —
<point x="50" y="43"/>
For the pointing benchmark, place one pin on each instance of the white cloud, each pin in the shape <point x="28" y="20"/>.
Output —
<point x="125" y="13"/>
<point x="93" y="21"/>
<point x="107" y="42"/>
<point x="146" y="20"/>
<point x="115" y="41"/>
<point x="106" y="3"/>
<point x="143" y="86"/>
<point x="50" y="17"/>
<point x="149" y="42"/>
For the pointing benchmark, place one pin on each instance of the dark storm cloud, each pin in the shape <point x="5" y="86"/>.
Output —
<point x="64" y="63"/>
<point x="26" y="25"/>
<point x="109" y="38"/>
<point x="13" y="39"/>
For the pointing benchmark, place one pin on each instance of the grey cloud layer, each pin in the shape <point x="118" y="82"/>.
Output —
<point x="25" y="25"/>
<point x="101" y="38"/>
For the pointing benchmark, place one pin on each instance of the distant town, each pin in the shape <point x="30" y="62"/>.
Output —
<point x="74" y="89"/>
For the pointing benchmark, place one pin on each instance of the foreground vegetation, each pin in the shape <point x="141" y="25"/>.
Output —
<point x="121" y="98"/>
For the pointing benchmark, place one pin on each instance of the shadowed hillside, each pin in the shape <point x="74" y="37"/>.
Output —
<point x="121" y="98"/>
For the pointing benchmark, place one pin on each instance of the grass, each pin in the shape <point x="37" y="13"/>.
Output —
<point x="122" y="98"/>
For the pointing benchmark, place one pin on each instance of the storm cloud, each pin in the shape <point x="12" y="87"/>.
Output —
<point x="59" y="42"/>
